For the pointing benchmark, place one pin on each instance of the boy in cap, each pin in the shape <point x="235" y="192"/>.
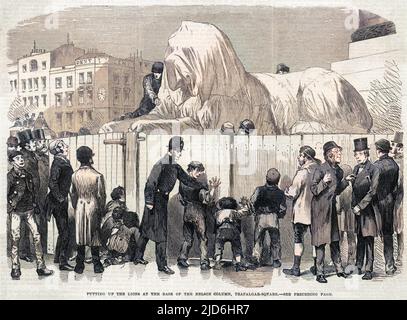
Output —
<point x="228" y="228"/>
<point x="160" y="183"/>
<point x="397" y="154"/>
<point x="327" y="183"/>
<point x="21" y="205"/>
<point x="269" y="205"/>
<point x="300" y="194"/>
<point x="386" y="180"/>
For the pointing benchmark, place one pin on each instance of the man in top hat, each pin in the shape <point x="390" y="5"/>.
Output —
<point x="385" y="198"/>
<point x="160" y="183"/>
<point x="42" y="156"/>
<point x="21" y="206"/>
<point x="327" y="183"/>
<point x="397" y="154"/>
<point x="301" y="196"/>
<point x="364" y="186"/>
<point x="88" y="196"/>
<point x="28" y="148"/>
<point x="151" y="86"/>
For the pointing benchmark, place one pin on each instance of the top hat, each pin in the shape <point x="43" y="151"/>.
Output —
<point x="360" y="144"/>
<point x="157" y="67"/>
<point x="39" y="134"/>
<point x="25" y="136"/>
<point x="330" y="145"/>
<point x="383" y="145"/>
<point x="398" y="137"/>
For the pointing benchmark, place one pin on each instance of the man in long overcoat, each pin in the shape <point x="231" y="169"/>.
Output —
<point x="327" y="183"/>
<point x="385" y="198"/>
<point x="364" y="185"/>
<point x="57" y="200"/>
<point x="160" y="183"/>
<point x="88" y="196"/>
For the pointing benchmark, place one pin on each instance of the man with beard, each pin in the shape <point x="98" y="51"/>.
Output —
<point x="43" y="170"/>
<point x="151" y="86"/>
<point x="300" y="194"/>
<point x="57" y="200"/>
<point x="160" y="183"/>
<point x="364" y="185"/>
<point x="327" y="183"/>
<point x="397" y="154"/>
<point x="195" y="202"/>
<point x="385" y="198"/>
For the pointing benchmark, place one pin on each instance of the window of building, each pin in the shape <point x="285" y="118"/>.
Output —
<point x="59" y="119"/>
<point x="58" y="82"/>
<point x="116" y="79"/>
<point x="116" y="97"/>
<point x="89" y="115"/>
<point x="30" y="84"/>
<point x="69" y="99"/>
<point x="15" y="84"/>
<point x="23" y="85"/>
<point x="126" y="79"/>
<point x="81" y="78"/>
<point x="25" y="101"/>
<point x="44" y="83"/>
<point x="69" y="118"/>
<point x="126" y="96"/>
<point x="30" y="101"/>
<point x="69" y="81"/>
<point x="89" y="77"/>
<point x="80" y="114"/>
<point x="58" y="99"/>
<point x="89" y="94"/>
<point x="33" y="65"/>
<point x="11" y="86"/>
<point x="81" y="94"/>
<point x="24" y="68"/>
<point x="44" y="65"/>
<point x="35" y="83"/>
<point x="44" y="100"/>
<point x="37" y="99"/>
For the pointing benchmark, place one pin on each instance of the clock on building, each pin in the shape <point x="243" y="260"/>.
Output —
<point x="101" y="94"/>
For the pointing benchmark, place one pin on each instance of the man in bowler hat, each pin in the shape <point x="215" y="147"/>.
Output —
<point x="327" y="183"/>
<point x="160" y="183"/>
<point x="364" y="185"/>
<point x="386" y="180"/>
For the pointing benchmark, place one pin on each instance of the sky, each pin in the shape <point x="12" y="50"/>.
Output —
<point x="261" y="36"/>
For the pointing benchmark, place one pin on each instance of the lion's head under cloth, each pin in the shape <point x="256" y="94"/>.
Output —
<point x="205" y="84"/>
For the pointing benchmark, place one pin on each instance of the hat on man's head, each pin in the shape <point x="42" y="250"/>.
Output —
<point x="38" y="134"/>
<point x="176" y="143"/>
<point x="247" y="125"/>
<point x="84" y="154"/>
<point x="308" y="151"/>
<point x="227" y="128"/>
<point x="25" y="136"/>
<point x="383" y="145"/>
<point x="329" y="146"/>
<point x="12" y="154"/>
<point x="12" y="141"/>
<point x="157" y="67"/>
<point x="360" y="144"/>
<point x="398" y="137"/>
<point x="55" y="146"/>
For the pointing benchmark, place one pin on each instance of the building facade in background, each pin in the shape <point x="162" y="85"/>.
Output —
<point x="75" y="88"/>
